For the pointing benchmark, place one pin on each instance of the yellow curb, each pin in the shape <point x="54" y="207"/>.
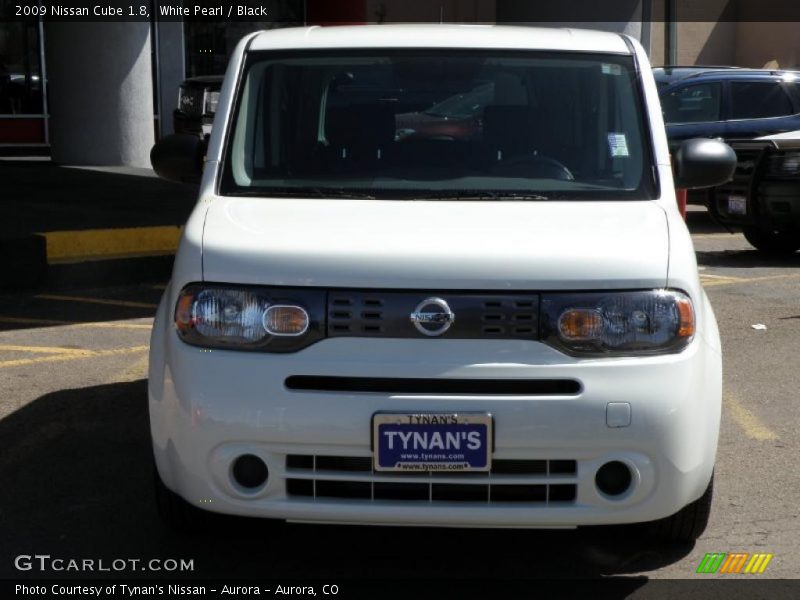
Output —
<point x="107" y="244"/>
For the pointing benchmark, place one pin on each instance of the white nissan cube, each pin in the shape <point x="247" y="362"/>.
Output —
<point x="436" y="275"/>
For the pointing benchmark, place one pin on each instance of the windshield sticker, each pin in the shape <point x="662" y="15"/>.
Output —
<point x="609" y="69"/>
<point x="618" y="145"/>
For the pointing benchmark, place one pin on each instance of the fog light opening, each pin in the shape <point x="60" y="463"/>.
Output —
<point x="613" y="478"/>
<point x="249" y="471"/>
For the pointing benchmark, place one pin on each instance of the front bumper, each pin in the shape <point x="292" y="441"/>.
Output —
<point x="209" y="407"/>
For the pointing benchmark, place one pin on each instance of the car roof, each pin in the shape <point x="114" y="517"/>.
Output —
<point x="671" y="73"/>
<point x="735" y="74"/>
<point x="441" y="36"/>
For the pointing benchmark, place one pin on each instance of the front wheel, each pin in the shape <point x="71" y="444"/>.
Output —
<point x="689" y="523"/>
<point x="775" y="243"/>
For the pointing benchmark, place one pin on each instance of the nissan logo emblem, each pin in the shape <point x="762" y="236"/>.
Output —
<point x="432" y="317"/>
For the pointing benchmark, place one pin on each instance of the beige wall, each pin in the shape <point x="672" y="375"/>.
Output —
<point x="770" y="45"/>
<point x="734" y="39"/>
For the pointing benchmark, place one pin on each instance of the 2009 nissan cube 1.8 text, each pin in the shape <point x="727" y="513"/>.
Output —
<point x="437" y="275"/>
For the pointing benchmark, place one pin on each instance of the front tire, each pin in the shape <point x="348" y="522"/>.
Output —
<point x="689" y="523"/>
<point x="774" y="243"/>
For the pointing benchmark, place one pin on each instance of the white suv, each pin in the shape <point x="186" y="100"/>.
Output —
<point x="383" y="313"/>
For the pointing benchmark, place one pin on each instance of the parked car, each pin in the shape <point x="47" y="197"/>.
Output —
<point x="503" y="331"/>
<point x="763" y="198"/>
<point x="197" y="103"/>
<point x="731" y="104"/>
<point x="458" y="117"/>
<point x="669" y="74"/>
<point x="728" y="103"/>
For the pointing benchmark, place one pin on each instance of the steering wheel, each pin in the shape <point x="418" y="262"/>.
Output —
<point x="533" y="165"/>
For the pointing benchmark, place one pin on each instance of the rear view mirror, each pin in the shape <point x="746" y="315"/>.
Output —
<point x="179" y="157"/>
<point x="702" y="163"/>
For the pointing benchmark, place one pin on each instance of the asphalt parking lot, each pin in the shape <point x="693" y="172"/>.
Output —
<point x="76" y="471"/>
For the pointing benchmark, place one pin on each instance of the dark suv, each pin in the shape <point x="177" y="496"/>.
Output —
<point x="731" y="104"/>
<point x="763" y="198"/>
<point x="197" y="103"/>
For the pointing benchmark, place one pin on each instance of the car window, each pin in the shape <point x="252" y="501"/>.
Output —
<point x="693" y="104"/>
<point x="439" y="124"/>
<point x="759" y="100"/>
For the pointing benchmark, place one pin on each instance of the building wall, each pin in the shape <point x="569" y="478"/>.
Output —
<point x="699" y="42"/>
<point x="768" y="45"/>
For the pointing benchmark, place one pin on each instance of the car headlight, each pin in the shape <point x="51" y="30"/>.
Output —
<point x="210" y="102"/>
<point x="784" y="164"/>
<point x="618" y="323"/>
<point x="249" y="318"/>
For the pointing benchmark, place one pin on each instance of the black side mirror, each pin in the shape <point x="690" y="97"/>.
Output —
<point x="179" y="157"/>
<point x="702" y="163"/>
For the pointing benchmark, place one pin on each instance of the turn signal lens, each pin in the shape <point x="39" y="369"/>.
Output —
<point x="581" y="324"/>
<point x="183" y="312"/>
<point x="686" y="316"/>
<point x="286" y="320"/>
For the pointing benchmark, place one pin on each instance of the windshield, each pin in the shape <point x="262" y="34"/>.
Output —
<point x="438" y="124"/>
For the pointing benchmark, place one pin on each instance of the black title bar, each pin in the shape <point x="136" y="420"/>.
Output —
<point x="332" y="12"/>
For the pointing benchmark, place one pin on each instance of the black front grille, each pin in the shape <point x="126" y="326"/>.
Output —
<point x="348" y="477"/>
<point x="477" y="316"/>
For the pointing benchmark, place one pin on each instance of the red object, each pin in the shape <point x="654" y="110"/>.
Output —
<point x="680" y="196"/>
<point x="22" y="131"/>
<point x="336" y="12"/>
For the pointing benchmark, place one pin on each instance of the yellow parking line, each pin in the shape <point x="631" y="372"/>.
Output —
<point x="63" y="357"/>
<point x="710" y="276"/>
<point x="126" y="303"/>
<point x="133" y="372"/>
<point x="734" y="280"/>
<point x="753" y="426"/>
<point x="75" y="324"/>
<point x="113" y="325"/>
<point x="707" y="279"/>
<point x="43" y="349"/>
<point x="711" y="236"/>
<point x="88" y="325"/>
<point x="27" y="321"/>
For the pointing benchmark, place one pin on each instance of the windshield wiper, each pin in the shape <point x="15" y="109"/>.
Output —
<point x="339" y="193"/>
<point x="484" y="195"/>
<point x="303" y="192"/>
<point x="523" y="197"/>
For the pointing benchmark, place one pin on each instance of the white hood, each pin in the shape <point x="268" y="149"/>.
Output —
<point x="500" y="245"/>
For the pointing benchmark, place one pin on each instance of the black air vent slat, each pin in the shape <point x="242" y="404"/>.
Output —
<point x="390" y="385"/>
<point x="322" y="478"/>
<point x="474" y="313"/>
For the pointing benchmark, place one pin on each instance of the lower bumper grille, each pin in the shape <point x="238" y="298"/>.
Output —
<point x="345" y="477"/>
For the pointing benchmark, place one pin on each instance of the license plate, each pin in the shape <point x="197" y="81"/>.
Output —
<point x="432" y="441"/>
<point x="737" y="205"/>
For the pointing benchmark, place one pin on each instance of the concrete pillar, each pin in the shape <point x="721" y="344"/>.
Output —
<point x="101" y="93"/>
